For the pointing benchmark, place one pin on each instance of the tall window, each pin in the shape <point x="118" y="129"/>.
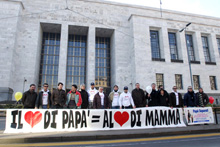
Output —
<point x="190" y="48"/>
<point x="196" y="82"/>
<point x="179" y="82"/>
<point x="76" y="61"/>
<point x="102" y="63"/>
<point x="218" y="42"/>
<point x="49" y="60"/>
<point x="173" y="46"/>
<point x="155" y="45"/>
<point x="159" y="79"/>
<point x="206" y="49"/>
<point x="213" y="82"/>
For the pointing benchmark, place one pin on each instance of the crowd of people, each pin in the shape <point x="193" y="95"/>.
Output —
<point x="97" y="99"/>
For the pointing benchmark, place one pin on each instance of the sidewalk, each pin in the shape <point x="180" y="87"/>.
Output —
<point x="104" y="135"/>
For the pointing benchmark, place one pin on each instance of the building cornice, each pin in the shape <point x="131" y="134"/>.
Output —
<point x="152" y="9"/>
<point x="16" y="1"/>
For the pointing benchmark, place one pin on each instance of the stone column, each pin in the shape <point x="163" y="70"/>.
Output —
<point x="198" y="48"/>
<point x="164" y="44"/>
<point x="90" y="60"/>
<point x="63" y="54"/>
<point x="213" y="47"/>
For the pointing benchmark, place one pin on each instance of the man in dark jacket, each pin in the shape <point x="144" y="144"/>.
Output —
<point x="29" y="97"/>
<point x="101" y="100"/>
<point x="153" y="97"/>
<point x="85" y="97"/>
<point x="59" y="97"/>
<point x="202" y="98"/>
<point x="44" y="98"/>
<point x="160" y="87"/>
<point x="190" y="99"/>
<point x="176" y="99"/>
<point x="163" y="98"/>
<point x="138" y="96"/>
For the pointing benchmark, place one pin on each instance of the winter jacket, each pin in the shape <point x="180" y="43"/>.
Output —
<point x="173" y="100"/>
<point x="85" y="99"/>
<point x="78" y="99"/>
<point x="92" y="93"/>
<point x="59" y="97"/>
<point x="126" y="100"/>
<point x="153" y="99"/>
<point x="205" y="98"/>
<point x="190" y="99"/>
<point x="111" y="98"/>
<point x="97" y="101"/>
<point x="139" y="98"/>
<point x="39" y="100"/>
<point x="163" y="100"/>
<point x="29" y="99"/>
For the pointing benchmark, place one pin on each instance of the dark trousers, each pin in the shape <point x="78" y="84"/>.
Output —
<point x="57" y="106"/>
<point x="126" y="107"/>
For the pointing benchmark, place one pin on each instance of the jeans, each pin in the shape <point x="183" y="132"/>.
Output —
<point x="44" y="106"/>
<point x="90" y="105"/>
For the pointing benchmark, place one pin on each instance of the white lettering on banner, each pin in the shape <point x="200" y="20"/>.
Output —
<point x="52" y="120"/>
<point x="199" y="115"/>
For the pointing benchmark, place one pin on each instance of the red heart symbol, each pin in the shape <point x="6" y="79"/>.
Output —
<point x="33" y="118"/>
<point x="121" y="118"/>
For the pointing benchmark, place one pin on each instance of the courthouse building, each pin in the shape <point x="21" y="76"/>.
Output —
<point x="84" y="41"/>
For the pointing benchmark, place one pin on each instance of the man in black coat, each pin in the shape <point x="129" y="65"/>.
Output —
<point x="160" y="87"/>
<point x="59" y="97"/>
<point x="85" y="97"/>
<point x="138" y="96"/>
<point x="163" y="98"/>
<point x="176" y="100"/>
<point x="202" y="98"/>
<point x="29" y="97"/>
<point x="190" y="99"/>
<point x="44" y="98"/>
<point x="152" y="98"/>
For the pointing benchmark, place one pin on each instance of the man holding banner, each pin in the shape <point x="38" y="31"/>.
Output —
<point x="114" y="98"/>
<point x="74" y="99"/>
<point x="202" y="98"/>
<point x="176" y="99"/>
<point x="44" y="98"/>
<point x="138" y="96"/>
<point x="29" y="97"/>
<point x="92" y="92"/>
<point x="190" y="99"/>
<point x="59" y="97"/>
<point x="101" y="100"/>
<point x="126" y="100"/>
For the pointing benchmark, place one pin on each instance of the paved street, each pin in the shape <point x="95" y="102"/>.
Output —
<point x="200" y="140"/>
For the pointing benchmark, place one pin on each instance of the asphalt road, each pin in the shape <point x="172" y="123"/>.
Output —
<point x="199" y="140"/>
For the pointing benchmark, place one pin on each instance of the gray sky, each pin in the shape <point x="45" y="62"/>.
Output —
<point x="203" y="7"/>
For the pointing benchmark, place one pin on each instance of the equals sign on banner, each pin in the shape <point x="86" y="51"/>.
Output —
<point x="95" y="118"/>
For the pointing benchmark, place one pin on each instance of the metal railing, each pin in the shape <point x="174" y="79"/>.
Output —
<point x="216" y="115"/>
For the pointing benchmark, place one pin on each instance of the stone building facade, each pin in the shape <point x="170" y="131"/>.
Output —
<point x="84" y="41"/>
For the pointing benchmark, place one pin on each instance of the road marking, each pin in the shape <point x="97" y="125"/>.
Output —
<point x="111" y="141"/>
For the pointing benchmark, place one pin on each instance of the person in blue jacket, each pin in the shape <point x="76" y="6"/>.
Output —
<point x="190" y="99"/>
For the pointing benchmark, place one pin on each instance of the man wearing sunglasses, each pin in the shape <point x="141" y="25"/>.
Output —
<point x="176" y="100"/>
<point x="44" y="98"/>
